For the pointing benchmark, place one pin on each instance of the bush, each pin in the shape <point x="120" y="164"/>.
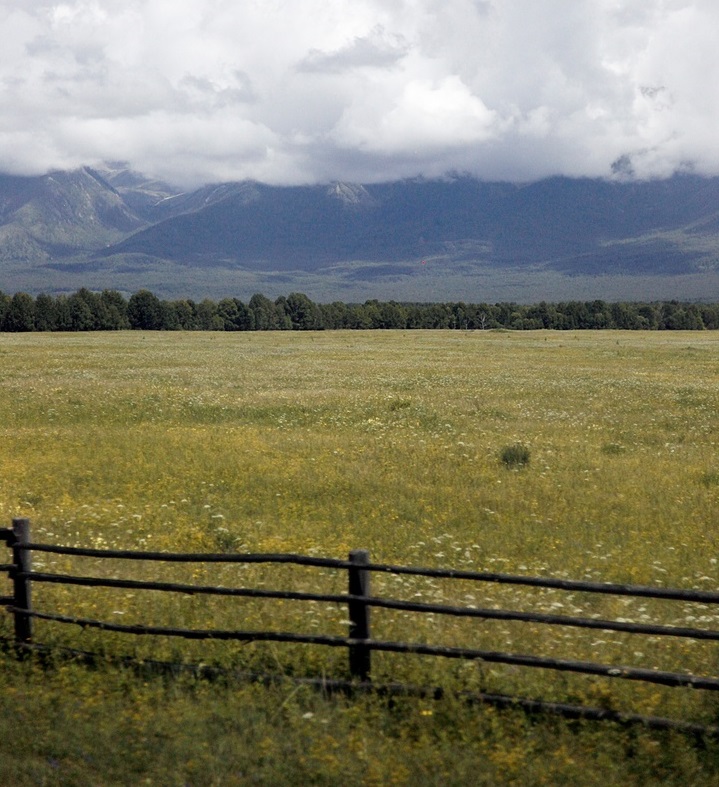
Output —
<point x="515" y="456"/>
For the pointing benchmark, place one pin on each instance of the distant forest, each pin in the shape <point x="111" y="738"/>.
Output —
<point x="111" y="311"/>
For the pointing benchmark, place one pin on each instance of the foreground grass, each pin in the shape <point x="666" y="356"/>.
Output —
<point x="319" y="443"/>
<point x="69" y="726"/>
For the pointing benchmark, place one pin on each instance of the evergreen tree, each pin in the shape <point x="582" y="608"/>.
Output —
<point x="81" y="312"/>
<point x="45" y="313"/>
<point x="114" y="311"/>
<point x="20" y="314"/>
<point x="144" y="311"/>
<point x="4" y="306"/>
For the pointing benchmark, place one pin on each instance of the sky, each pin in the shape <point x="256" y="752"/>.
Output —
<point x="313" y="91"/>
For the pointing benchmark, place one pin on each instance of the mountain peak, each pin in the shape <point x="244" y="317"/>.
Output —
<point x="351" y="194"/>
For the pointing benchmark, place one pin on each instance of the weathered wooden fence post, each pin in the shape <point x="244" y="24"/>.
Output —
<point x="21" y="585"/>
<point x="359" y="585"/>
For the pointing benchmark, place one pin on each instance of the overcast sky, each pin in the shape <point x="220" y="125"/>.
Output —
<point x="300" y="91"/>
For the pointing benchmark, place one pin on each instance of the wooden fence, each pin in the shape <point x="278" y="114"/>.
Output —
<point x="359" y="601"/>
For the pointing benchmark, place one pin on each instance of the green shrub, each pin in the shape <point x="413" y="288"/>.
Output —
<point x="515" y="455"/>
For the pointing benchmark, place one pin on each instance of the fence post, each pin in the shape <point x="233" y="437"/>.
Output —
<point x="21" y="585"/>
<point x="359" y="585"/>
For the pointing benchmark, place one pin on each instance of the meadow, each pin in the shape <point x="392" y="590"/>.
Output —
<point x="322" y="442"/>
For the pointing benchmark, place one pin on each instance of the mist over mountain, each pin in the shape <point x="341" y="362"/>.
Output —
<point x="415" y="239"/>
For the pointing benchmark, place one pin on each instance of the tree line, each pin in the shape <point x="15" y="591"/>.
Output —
<point x="110" y="310"/>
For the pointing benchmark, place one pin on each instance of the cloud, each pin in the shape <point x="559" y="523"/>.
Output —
<point x="366" y="90"/>
<point x="374" y="50"/>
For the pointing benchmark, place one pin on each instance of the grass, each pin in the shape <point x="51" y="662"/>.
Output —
<point x="321" y="443"/>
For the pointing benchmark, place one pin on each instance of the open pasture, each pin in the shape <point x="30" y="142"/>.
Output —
<point x="318" y="443"/>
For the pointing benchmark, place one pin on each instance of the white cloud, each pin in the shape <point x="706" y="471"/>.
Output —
<point x="202" y="90"/>
<point x="375" y="50"/>
<point x="424" y="117"/>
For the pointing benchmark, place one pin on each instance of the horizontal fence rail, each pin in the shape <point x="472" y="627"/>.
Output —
<point x="640" y="591"/>
<point x="383" y="603"/>
<point x="359" y="601"/>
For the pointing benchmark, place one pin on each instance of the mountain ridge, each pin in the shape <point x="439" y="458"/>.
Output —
<point x="116" y="225"/>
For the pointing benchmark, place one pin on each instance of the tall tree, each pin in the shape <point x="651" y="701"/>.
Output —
<point x="144" y="311"/>
<point x="266" y="315"/>
<point x="303" y="313"/>
<point x="114" y="311"/>
<point x="4" y="306"/>
<point x="45" y="313"/>
<point x="82" y="309"/>
<point x="207" y="317"/>
<point x="185" y="311"/>
<point x="20" y="314"/>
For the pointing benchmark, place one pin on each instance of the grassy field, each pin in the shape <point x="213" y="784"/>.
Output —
<point x="319" y="443"/>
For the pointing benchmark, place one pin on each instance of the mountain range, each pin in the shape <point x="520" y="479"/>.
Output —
<point x="457" y="238"/>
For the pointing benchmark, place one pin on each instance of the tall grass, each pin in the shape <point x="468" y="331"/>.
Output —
<point x="320" y="443"/>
